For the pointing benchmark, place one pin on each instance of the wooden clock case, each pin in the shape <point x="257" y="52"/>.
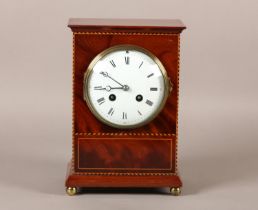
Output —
<point x="103" y="156"/>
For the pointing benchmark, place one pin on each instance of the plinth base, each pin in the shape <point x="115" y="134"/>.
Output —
<point x="75" y="181"/>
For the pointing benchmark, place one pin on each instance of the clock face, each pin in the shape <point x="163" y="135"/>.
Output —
<point x="125" y="86"/>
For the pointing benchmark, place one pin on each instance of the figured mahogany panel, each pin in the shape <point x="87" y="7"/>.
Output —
<point x="87" y="46"/>
<point x="127" y="154"/>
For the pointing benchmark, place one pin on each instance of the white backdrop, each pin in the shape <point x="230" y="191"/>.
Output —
<point x="218" y="106"/>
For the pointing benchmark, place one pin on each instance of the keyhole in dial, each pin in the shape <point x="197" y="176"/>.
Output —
<point x="139" y="98"/>
<point x="112" y="97"/>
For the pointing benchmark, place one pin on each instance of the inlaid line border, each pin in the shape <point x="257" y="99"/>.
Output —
<point x="73" y="112"/>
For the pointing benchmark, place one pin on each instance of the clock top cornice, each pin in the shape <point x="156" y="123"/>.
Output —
<point x="126" y="25"/>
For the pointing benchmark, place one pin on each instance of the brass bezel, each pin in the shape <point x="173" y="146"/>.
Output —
<point x="167" y="85"/>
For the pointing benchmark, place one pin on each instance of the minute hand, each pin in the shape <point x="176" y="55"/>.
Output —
<point x="105" y="74"/>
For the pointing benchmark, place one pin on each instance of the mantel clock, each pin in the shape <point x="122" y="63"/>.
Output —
<point x="125" y="104"/>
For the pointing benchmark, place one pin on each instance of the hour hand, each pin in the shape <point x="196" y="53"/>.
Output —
<point x="107" y="88"/>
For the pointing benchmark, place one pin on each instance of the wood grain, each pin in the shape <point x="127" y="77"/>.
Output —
<point x="124" y="154"/>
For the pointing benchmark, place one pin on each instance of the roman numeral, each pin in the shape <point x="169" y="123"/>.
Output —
<point x="124" y="115"/>
<point x="111" y="111"/>
<point x="127" y="60"/>
<point x="113" y="63"/>
<point x="153" y="89"/>
<point x="150" y="75"/>
<point x="149" y="102"/>
<point x="101" y="100"/>
<point x="139" y="112"/>
<point x="141" y="64"/>
<point x="97" y="87"/>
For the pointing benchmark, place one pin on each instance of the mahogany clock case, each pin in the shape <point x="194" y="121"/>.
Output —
<point x="109" y="157"/>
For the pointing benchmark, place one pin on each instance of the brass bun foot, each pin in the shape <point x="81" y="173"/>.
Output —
<point x="175" y="191"/>
<point x="71" y="190"/>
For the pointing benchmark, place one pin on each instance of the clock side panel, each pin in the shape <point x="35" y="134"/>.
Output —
<point x="87" y="46"/>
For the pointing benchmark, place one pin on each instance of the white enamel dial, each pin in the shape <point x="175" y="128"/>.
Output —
<point x="125" y="86"/>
